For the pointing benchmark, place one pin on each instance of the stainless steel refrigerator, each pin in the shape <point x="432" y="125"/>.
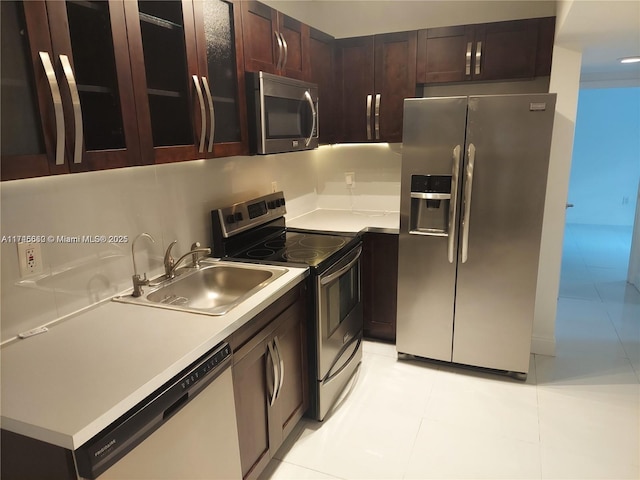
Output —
<point x="474" y="176"/>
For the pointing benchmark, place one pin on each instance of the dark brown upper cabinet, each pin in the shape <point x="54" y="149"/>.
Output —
<point x="274" y="42"/>
<point x="375" y="75"/>
<point x="189" y="91"/>
<point x="493" y="51"/>
<point x="322" y="61"/>
<point x="67" y="96"/>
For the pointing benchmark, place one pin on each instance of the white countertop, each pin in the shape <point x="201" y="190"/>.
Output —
<point x="350" y="221"/>
<point x="66" y="385"/>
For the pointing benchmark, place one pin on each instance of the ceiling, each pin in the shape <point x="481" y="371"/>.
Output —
<point x="604" y="30"/>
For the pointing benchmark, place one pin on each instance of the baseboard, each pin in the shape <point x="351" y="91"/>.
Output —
<point x="543" y="346"/>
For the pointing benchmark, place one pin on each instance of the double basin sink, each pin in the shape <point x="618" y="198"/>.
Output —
<point x="212" y="289"/>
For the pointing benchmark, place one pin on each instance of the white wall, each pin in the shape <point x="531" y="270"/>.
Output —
<point x="171" y="202"/>
<point x="565" y="80"/>
<point x="605" y="167"/>
<point x="349" y="18"/>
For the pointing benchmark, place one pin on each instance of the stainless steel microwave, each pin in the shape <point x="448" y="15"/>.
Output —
<point x="283" y="113"/>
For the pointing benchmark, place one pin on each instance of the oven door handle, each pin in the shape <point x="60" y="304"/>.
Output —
<point x="346" y="268"/>
<point x="330" y="374"/>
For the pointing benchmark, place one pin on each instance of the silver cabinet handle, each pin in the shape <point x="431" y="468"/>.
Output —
<point x="203" y="116"/>
<point x="314" y="115"/>
<point x="276" y="377"/>
<point x="77" y="109"/>
<point x="478" y="57"/>
<point x="377" y="115"/>
<point x="286" y="51"/>
<point x="279" y="64"/>
<point x="326" y="280"/>
<point x="369" y="99"/>
<point x="276" y="342"/>
<point x="207" y="92"/>
<point x="467" y="65"/>
<point x="57" y="105"/>
<point x="467" y="201"/>
<point x="453" y="204"/>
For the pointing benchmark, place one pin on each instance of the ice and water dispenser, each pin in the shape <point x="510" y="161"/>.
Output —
<point x="430" y="202"/>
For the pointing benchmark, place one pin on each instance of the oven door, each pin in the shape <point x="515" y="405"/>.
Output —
<point x="339" y="314"/>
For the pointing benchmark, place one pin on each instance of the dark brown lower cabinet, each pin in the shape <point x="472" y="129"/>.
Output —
<point x="270" y="379"/>
<point x="380" y="285"/>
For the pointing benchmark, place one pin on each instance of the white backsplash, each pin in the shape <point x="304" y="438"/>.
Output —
<point x="170" y="202"/>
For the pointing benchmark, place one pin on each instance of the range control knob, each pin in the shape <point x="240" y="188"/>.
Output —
<point x="230" y="219"/>
<point x="238" y="216"/>
<point x="282" y="201"/>
<point x="272" y="204"/>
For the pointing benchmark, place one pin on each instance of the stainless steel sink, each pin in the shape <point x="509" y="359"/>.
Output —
<point x="213" y="289"/>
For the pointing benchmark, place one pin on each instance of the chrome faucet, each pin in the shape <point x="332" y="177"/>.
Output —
<point x="138" y="282"/>
<point x="171" y="265"/>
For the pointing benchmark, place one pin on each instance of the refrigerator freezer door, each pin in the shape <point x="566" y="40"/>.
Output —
<point x="433" y="128"/>
<point x="496" y="286"/>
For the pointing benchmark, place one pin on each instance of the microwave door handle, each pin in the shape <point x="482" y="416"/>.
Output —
<point x="346" y="268"/>
<point x="453" y="204"/>
<point x="314" y="116"/>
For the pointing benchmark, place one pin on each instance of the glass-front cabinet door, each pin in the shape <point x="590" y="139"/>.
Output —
<point x="164" y="60"/>
<point x="31" y="103"/>
<point x="93" y="70"/>
<point x="67" y="96"/>
<point x="186" y="79"/>
<point x="219" y="45"/>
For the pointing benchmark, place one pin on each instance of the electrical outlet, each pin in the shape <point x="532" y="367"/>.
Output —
<point x="274" y="187"/>
<point x="350" y="179"/>
<point x="29" y="258"/>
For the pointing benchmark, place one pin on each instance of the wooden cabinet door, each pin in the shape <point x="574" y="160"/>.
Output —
<point x="354" y="61"/>
<point x="252" y="406"/>
<point x="380" y="285"/>
<point x="290" y="342"/>
<point x="259" y="27"/>
<point x="395" y="80"/>
<point x="322" y="66"/>
<point x="31" y="141"/>
<point x="221" y="74"/>
<point x="94" y="71"/>
<point x="444" y="54"/>
<point x="505" y="50"/>
<point x="170" y="103"/>
<point x="546" y="36"/>
<point x="295" y="38"/>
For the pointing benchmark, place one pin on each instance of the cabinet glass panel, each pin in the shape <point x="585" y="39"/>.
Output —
<point x="165" y="61"/>
<point x="221" y="68"/>
<point x="95" y="71"/>
<point x="21" y="131"/>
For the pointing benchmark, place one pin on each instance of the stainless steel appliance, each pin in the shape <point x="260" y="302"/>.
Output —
<point x="474" y="175"/>
<point x="255" y="231"/>
<point x="186" y="429"/>
<point x="283" y="113"/>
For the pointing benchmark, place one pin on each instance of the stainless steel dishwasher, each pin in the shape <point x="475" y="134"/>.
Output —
<point x="186" y="429"/>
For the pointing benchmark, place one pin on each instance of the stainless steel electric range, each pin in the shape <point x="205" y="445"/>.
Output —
<point x="255" y="231"/>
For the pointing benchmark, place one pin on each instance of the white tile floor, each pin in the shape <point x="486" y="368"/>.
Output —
<point x="576" y="417"/>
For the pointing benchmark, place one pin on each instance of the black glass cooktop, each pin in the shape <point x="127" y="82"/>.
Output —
<point x="296" y="247"/>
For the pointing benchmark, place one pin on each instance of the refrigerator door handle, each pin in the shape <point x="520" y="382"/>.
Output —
<point x="467" y="201"/>
<point x="453" y="204"/>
